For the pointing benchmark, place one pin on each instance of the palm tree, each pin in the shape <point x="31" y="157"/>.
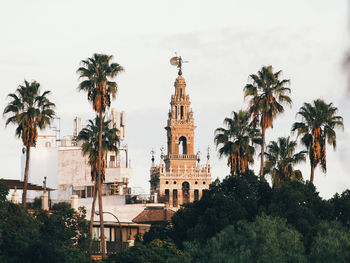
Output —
<point x="29" y="111"/>
<point x="317" y="125"/>
<point x="236" y="142"/>
<point x="97" y="73"/>
<point x="280" y="161"/>
<point x="267" y="95"/>
<point x="89" y="138"/>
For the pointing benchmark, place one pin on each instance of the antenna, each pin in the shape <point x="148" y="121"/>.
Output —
<point x="177" y="61"/>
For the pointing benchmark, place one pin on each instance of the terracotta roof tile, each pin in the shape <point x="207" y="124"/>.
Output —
<point x="153" y="215"/>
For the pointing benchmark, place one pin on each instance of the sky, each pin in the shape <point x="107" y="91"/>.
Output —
<point x="224" y="42"/>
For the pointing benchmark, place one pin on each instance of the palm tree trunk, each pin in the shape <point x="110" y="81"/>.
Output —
<point x="100" y="184"/>
<point x="312" y="174"/>
<point x="262" y="153"/>
<point x="93" y="206"/>
<point x="26" y="171"/>
<point x="232" y="168"/>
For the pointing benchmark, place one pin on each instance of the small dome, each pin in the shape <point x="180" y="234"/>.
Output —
<point x="180" y="81"/>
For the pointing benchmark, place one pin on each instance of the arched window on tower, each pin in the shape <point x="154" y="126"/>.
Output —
<point x="182" y="145"/>
<point x="181" y="112"/>
<point x="185" y="192"/>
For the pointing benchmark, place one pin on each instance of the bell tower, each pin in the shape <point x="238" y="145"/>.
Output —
<point x="180" y="129"/>
<point x="179" y="178"/>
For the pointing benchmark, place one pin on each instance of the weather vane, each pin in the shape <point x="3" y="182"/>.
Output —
<point x="177" y="61"/>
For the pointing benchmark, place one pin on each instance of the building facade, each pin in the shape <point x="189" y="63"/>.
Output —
<point x="179" y="178"/>
<point x="63" y="167"/>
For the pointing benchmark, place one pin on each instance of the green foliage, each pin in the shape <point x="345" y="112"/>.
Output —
<point x="156" y="251"/>
<point x="67" y="226"/>
<point x="317" y="127"/>
<point x="89" y="138"/>
<point x="162" y="231"/>
<point x="235" y="142"/>
<point x="281" y="159"/>
<point x="341" y="208"/>
<point x="267" y="94"/>
<point x="29" y="110"/>
<point x="332" y="244"/>
<point x="236" y="198"/>
<point x="267" y="239"/>
<point x="245" y="197"/>
<point x="39" y="237"/>
<point x="4" y="191"/>
<point x="303" y="208"/>
<point x="97" y="73"/>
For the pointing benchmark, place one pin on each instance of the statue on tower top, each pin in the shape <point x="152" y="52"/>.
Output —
<point x="177" y="61"/>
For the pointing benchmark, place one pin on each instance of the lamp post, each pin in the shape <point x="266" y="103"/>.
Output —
<point x="120" y="226"/>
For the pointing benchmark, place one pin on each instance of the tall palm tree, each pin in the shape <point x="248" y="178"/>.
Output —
<point x="97" y="73"/>
<point x="29" y="110"/>
<point x="89" y="138"/>
<point x="280" y="161"/>
<point x="318" y="124"/>
<point x="236" y="142"/>
<point x="267" y="95"/>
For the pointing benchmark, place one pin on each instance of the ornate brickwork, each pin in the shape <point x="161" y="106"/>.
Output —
<point x="179" y="178"/>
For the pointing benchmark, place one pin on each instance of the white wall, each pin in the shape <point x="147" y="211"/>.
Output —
<point x="43" y="162"/>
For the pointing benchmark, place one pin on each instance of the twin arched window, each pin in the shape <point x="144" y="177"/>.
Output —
<point x="182" y="145"/>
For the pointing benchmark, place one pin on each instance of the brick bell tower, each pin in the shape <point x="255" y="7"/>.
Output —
<point x="179" y="178"/>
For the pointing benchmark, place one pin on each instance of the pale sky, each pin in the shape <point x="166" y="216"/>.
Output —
<point x="224" y="42"/>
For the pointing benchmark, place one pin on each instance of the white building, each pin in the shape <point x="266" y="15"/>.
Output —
<point x="68" y="171"/>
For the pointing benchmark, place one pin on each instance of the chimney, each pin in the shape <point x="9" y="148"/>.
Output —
<point x="45" y="202"/>
<point x="15" y="197"/>
<point x="74" y="202"/>
<point x="77" y="126"/>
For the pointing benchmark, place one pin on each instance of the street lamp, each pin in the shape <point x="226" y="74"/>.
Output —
<point x="120" y="225"/>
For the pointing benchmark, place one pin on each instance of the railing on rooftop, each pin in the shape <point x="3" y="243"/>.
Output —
<point x="112" y="247"/>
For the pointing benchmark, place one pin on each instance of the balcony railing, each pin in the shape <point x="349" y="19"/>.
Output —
<point x="181" y="156"/>
<point x="112" y="247"/>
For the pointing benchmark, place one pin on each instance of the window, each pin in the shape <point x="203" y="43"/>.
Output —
<point x="112" y="161"/>
<point x="182" y="112"/>
<point x="79" y="191"/>
<point x="107" y="233"/>
<point x="174" y="182"/>
<point x="96" y="233"/>
<point x="203" y="182"/>
<point x="174" y="197"/>
<point x="167" y="182"/>
<point x="196" y="195"/>
<point x="89" y="191"/>
<point x="182" y="145"/>
<point x="186" y="192"/>
<point x="48" y="144"/>
<point x="166" y="195"/>
<point x="112" y="234"/>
